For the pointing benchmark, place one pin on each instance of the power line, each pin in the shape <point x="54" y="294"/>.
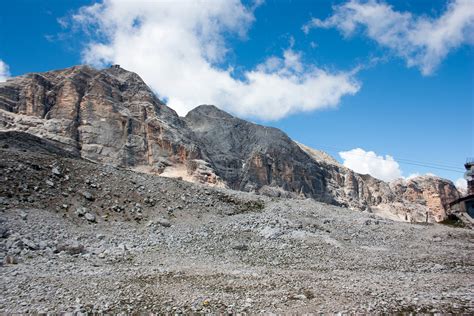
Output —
<point x="405" y="161"/>
<point x="409" y="160"/>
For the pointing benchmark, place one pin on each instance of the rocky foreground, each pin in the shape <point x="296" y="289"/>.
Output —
<point x="81" y="236"/>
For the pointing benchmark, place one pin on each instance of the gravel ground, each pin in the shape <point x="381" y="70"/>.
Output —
<point x="82" y="237"/>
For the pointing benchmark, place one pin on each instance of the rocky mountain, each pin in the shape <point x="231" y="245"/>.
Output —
<point x="112" y="117"/>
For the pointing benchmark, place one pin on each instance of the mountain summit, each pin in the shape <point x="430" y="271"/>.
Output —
<point x="112" y="117"/>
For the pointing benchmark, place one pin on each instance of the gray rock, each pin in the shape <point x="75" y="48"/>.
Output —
<point x="42" y="245"/>
<point x="90" y="217"/>
<point x="72" y="248"/>
<point x="30" y="244"/>
<point x="56" y="171"/>
<point x="88" y="196"/>
<point x="163" y="222"/>
<point x="298" y="297"/>
<point x="81" y="211"/>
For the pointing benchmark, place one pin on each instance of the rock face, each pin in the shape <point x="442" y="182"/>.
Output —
<point x="433" y="192"/>
<point x="111" y="116"/>
<point x="256" y="158"/>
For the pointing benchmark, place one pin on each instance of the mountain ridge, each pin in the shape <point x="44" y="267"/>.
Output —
<point x="111" y="116"/>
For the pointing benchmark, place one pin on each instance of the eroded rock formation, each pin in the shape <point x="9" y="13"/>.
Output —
<point x="111" y="116"/>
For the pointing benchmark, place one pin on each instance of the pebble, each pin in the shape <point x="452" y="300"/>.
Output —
<point x="81" y="211"/>
<point x="90" y="217"/>
<point x="163" y="222"/>
<point x="56" y="171"/>
<point x="88" y="196"/>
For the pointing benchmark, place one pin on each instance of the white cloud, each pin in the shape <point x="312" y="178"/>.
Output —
<point x="4" y="71"/>
<point x="421" y="40"/>
<point x="383" y="168"/>
<point x="179" y="49"/>
<point x="416" y="175"/>
<point x="368" y="162"/>
<point x="412" y="176"/>
<point x="461" y="185"/>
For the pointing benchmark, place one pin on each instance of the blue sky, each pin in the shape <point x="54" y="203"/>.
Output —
<point x="422" y="113"/>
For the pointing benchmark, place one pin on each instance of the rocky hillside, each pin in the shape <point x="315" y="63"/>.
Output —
<point x="80" y="237"/>
<point x="111" y="116"/>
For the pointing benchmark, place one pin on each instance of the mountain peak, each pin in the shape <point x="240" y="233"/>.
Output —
<point x="209" y="110"/>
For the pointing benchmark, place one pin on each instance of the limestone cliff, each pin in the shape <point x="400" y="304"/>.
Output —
<point x="111" y="116"/>
<point x="433" y="192"/>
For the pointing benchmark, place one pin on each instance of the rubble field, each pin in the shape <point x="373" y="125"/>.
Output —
<point x="77" y="236"/>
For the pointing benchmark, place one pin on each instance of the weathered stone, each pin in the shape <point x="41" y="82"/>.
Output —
<point x="23" y="216"/>
<point x="88" y="196"/>
<point x="163" y="222"/>
<point x="42" y="245"/>
<point x="56" y="171"/>
<point x="90" y="217"/>
<point x="81" y="211"/>
<point x="30" y="244"/>
<point x="72" y="248"/>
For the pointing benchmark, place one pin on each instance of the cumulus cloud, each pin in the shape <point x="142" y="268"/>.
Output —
<point x="416" y="174"/>
<point x="383" y="168"/>
<point x="421" y="40"/>
<point x="368" y="162"/>
<point x="461" y="185"/>
<point x="179" y="49"/>
<point x="4" y="71"/>
<point x="412" y="176"/>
